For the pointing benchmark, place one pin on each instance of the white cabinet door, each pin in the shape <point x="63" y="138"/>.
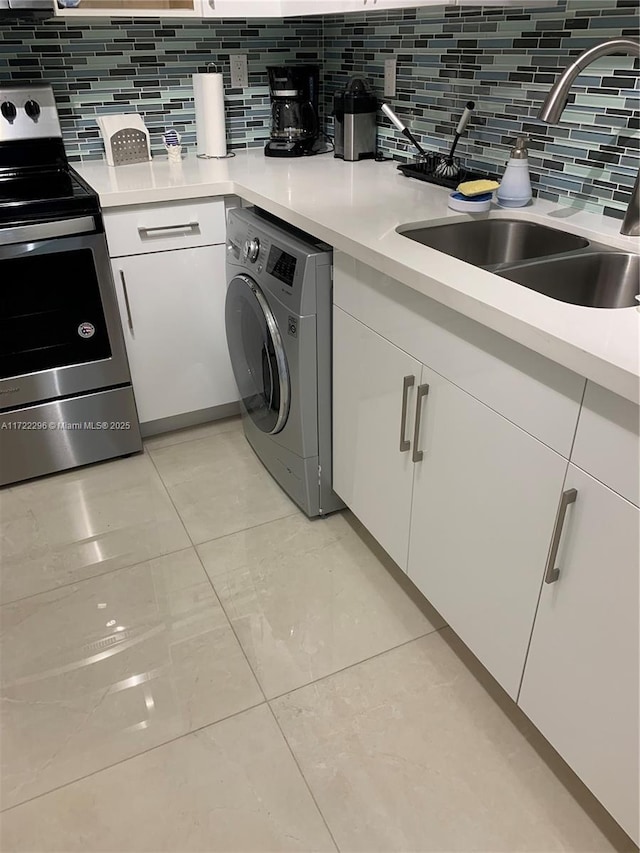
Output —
<point x="327" y="7"/>
<point x="242" y="8"/>
<point x="320" y="7"/>
<point x="484" y="503"/>
<point x="172" y="310"/>
<point x="580" y="684"/>
<point x="128" y="8"/>
<point x="403" y="4"/>
<point x="528" y="4"/>
<point x="370" y="472"/>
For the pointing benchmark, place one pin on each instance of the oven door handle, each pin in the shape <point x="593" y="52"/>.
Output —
<point x="46" y="230"/>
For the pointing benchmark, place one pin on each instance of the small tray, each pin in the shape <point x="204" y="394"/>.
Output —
<point x="424" y="170"/>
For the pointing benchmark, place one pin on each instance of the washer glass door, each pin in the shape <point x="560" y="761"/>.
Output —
<point x="257" y="355"/>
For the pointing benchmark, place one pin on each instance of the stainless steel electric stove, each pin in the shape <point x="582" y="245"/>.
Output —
<point x="65" y="389"/>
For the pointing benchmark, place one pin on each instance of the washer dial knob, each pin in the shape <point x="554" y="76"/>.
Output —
<point x="252" y="249"/>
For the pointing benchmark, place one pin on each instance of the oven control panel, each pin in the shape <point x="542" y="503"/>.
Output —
<point x="27" y="112"/>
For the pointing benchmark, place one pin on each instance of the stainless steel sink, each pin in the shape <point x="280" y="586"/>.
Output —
<point x="489" y="242"/>
<point x="595" y="279"/>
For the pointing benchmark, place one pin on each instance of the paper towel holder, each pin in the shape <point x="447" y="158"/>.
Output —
<point x="229" y="154"/>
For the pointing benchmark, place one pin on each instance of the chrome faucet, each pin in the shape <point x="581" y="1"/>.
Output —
<point x="556" y="101"/>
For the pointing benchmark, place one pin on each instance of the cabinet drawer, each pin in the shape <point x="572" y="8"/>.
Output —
<point x="528" y="389"/>
<point x="607" y="444"/>
<point x="146" y="228"/>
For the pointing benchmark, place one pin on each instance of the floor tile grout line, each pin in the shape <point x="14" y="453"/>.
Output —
<point x="235" y="714"/>
<point x="187" y="440"/>
<point x="316" y="681"/>
<point x="297" y="511"/>
<point x="226" y="615"/>
<point x="214" y="538"/>
<point x="93" y="577"/>
<point x="356" y="663"/>
<point x="171" y="501"/>
<point x="119" y="568"/>
<point x="135" y="755"/>
<point x="303" y="777"/>
<point x="146" y="559"/>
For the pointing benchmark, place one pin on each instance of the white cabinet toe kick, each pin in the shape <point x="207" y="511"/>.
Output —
<point x="506" y="486"/>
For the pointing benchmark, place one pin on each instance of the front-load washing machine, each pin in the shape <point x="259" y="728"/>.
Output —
<point x="278" y="322"/>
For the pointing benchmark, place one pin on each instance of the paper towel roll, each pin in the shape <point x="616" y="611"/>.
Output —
<point x="208" y="96"/>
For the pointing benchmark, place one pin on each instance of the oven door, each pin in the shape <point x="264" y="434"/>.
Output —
<point x="60" y="328"/>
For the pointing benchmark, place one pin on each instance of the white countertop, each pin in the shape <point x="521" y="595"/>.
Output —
<point x="356" y="207"/>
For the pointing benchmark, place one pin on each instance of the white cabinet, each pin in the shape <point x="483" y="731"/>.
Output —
<point x="172" y="310"/>
<point x="533" y="392"/>
<point x="291" y="8"/>
<point x="139" y="8"/>
<point x="580" y="684"/>
<point x="241" y="8"/>
<point x="607" y="443"/>
<point x="370" y="473"/>
<point x="141" y="228"/>
<point x="484" y="502"/>
<point x="434" y="473"/>
<point x="169" y="270"/>
<point x="496" y="508"/>
<point x="402" y="4"/>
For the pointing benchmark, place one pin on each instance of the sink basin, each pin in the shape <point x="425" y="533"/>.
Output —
<point x="488" y="242"/>
<point x="596" y="279"/>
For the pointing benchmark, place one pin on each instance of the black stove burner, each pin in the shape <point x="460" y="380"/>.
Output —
<point x="37" y="185"/>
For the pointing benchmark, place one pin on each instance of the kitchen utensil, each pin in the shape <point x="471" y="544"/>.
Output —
<point x="448" y="167"/>
<point x="171" y="137"/>
<point x="126" y="139"/>
<point x="393" y="118"/>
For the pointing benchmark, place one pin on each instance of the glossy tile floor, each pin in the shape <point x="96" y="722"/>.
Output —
<point x="188" y="663"/>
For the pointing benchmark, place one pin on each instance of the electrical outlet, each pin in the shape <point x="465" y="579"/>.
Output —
<point x="390" y="78"/>
<point x="239" y="71"/>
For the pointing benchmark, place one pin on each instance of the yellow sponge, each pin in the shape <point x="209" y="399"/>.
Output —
<point x="471" y="188"/>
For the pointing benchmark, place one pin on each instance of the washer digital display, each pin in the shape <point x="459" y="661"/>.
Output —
<point x="281" y="265"/>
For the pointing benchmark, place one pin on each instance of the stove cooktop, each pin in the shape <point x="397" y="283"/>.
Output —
<point x="44" y="195"/>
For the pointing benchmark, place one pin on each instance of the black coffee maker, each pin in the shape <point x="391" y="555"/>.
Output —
<point x="294" y="110"/>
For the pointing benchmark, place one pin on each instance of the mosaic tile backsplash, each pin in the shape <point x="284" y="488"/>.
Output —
<point x="505" y="59"/>
<point x="113" y="66"/>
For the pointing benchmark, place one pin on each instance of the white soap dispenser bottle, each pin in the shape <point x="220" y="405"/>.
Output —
<point x="515" y="187"/>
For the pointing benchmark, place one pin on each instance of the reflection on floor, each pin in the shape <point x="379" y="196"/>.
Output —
<point x="188" y="663"/>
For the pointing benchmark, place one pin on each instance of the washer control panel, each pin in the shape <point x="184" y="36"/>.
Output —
<point x="283" y="262"/>
<point x="251" y="249"/>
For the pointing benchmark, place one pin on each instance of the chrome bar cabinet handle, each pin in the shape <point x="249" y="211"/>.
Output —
<point x="417" y="455"/>
<point x="552" y="572"/>
<point x="126" y="301"/>
<point x="407" y="383"/>
<point x="147" y="229"/>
